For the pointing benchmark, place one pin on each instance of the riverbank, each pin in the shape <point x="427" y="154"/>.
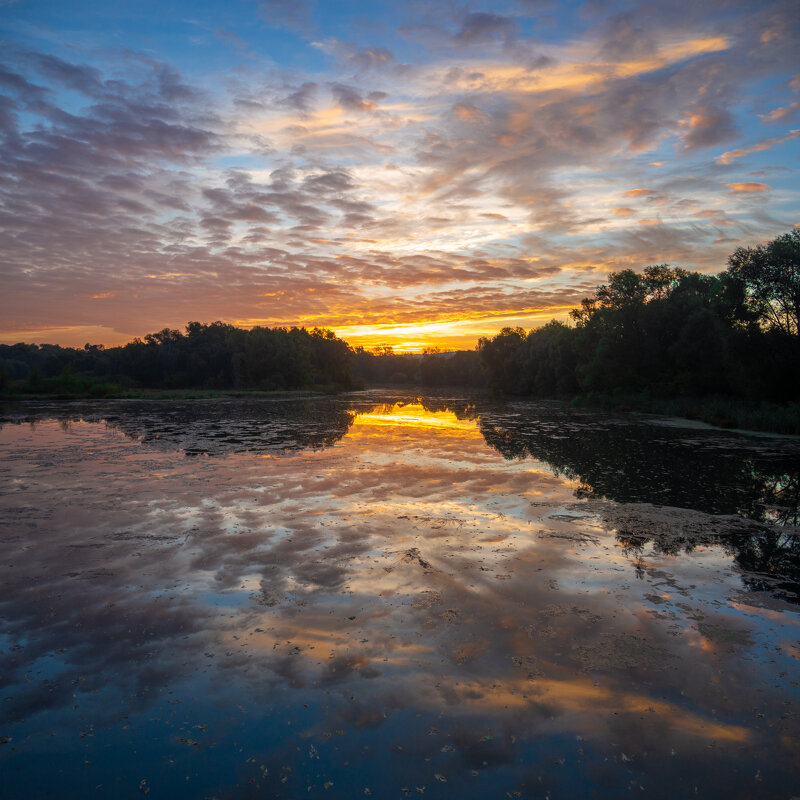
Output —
<point x="721" y="412"/>
<point x="115" y="393"/>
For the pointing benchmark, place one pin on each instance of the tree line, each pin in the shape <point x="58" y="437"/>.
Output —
<point x="667" y="332"/>
<point x="213" y="356"/>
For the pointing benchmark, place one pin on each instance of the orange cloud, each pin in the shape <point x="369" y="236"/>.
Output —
<point x="576" y="68"/>
<point x="622" y="211"/>
<point x="732" y="155"/>
<point x="780" y="113"/>
<point x="748" y="187"/>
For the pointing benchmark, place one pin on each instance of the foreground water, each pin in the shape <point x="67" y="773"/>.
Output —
<point x="376" y="595"/>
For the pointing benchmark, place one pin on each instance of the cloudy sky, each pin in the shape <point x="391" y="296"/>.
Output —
<point x="408" y="172"/>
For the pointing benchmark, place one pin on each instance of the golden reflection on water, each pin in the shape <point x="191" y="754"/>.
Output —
<point x="415" y="415"/>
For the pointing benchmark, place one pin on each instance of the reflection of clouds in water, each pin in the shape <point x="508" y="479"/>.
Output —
<point x="431" y="576"/>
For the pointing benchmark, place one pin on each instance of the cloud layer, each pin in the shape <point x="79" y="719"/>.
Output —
<point x="439" y="164"/>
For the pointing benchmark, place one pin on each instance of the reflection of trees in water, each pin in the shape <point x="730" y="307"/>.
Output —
<point x="236" y="427"/>
<point x="715" y="472"/>
<point x="220" y="426"/>
<point x="632" y="462"/>
<point x="628" y="461"/>
<point x="771" y="560"/>
<point x="780" y="497"/>
<point x="461" y="408"/>
<point x="768" y="556"/>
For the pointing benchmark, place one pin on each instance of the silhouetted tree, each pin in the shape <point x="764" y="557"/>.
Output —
<point x="213" y="356"/>
<point x="667" y="332"/>
<point x="770" y="274"/>
<point x="499" y="357"/>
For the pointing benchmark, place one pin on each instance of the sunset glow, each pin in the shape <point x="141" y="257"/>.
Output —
<point x="407" y="175"/>
<point x="414" y="415"/>
<point x="450" y="335"/>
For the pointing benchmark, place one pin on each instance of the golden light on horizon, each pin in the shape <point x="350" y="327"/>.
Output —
<point x="460" y="334"/>
<point x="68" y="336"/>
<point x="411" y="337"/>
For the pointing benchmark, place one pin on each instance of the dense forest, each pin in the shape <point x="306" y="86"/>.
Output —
<point x="667" y="332"/>
<point x="215" y="356"/>
<point x="716" y="343"/>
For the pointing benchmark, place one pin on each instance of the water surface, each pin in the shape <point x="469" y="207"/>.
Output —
<point x="381" y="595"/>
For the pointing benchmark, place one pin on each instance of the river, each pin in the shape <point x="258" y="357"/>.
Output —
<point x="380" y="594"/>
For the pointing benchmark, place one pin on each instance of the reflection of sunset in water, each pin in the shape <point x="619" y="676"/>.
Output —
<point x="414" y="415"/>
<point x="385" y="584"/>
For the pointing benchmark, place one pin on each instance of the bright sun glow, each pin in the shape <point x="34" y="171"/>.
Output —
<point x="446" y="335"/>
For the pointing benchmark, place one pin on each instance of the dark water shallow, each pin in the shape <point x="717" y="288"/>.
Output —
<point x="373" y="595"/>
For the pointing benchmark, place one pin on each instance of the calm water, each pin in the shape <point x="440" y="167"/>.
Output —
<point x="377" y="595"/>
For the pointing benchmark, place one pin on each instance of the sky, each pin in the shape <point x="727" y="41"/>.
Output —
<point x="406" y="173"/>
